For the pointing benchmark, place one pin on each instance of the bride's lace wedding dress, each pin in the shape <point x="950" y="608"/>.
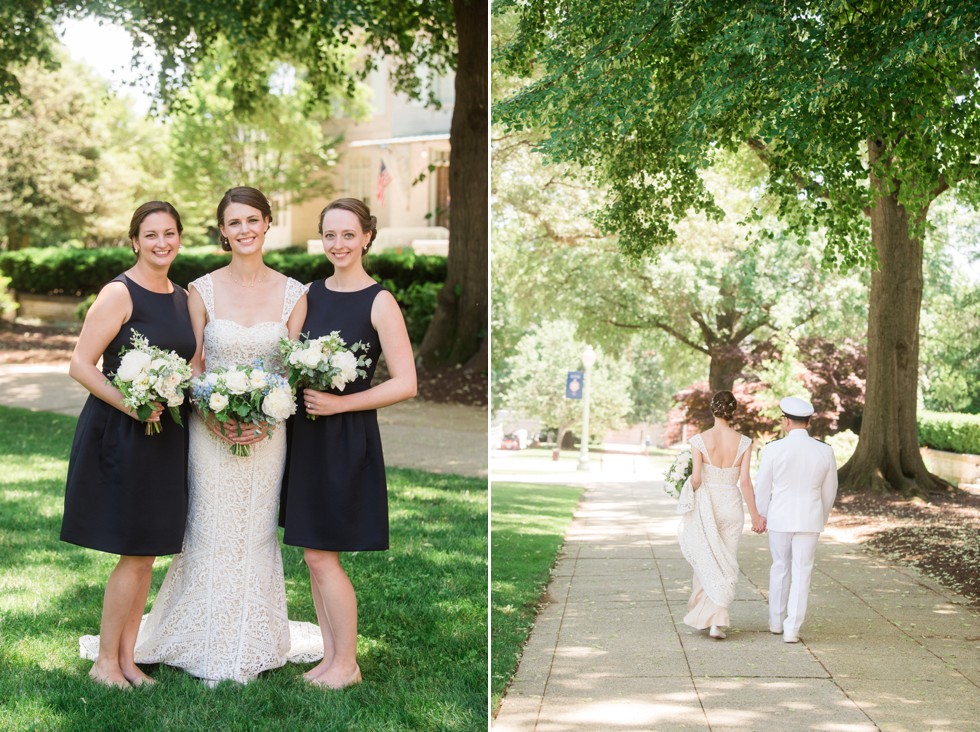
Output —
<point x="221" y="611"/>
<point x="709" y="533"/>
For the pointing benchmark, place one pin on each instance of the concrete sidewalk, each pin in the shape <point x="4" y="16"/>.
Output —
<point x="882" y="648"/>
<point x="438" y="438"/>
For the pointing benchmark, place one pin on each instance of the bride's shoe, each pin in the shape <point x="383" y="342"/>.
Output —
<point x="717" y="632"/>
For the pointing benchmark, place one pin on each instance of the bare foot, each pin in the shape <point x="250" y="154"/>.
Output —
<point x="136" y="677"/>
<point x="336" y="678"/>
<point x="111" y="676"/>
<point x="317" y="670"/>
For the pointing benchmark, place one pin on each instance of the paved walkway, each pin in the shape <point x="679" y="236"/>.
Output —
<point x="438" y="438"/>
<point x="882" y="648"/>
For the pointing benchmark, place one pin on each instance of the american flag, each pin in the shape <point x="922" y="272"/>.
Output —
<point x="384" y="179"/>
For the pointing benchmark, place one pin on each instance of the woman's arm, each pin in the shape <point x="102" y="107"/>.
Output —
<point x="199" y="318"/>
<point x="111" y="310"/>
<point x="296" y="318"/>
<point x="695" y="468"/>
<point x="748" y="494"/>
<point x="386" y="317"/>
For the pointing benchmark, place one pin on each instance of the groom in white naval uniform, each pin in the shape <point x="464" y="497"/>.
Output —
<point x="795" y="489"/>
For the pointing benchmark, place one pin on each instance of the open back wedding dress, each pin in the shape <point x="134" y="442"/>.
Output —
<point x="709" y="533"/>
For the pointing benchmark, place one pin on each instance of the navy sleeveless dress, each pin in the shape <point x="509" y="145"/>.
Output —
<point x="126" y="491"/>
<point x="335" y="496"/>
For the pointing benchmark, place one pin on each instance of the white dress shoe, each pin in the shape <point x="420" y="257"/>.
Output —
<point x="776" y="631"/>
<point x="716" y="632"/>
<point x="791" y="639"/>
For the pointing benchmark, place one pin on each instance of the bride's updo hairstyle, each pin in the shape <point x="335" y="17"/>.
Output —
<point x="723" y="405"/>
<point x="245" y="195"/>
<point x="357" y="207"/>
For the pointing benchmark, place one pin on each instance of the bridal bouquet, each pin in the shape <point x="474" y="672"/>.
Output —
<point x="679" y="472"/>
<point x="247" y="394"/>
<point x="148" y="375"/>
<point x="323" y="363"/>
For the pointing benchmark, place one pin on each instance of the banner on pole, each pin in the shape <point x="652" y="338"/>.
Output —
<point x="573" y="385"/>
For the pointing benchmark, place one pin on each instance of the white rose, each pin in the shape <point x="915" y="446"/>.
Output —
<point x="159" y="364"/>
<point x="347" y="363"/>
<point x="294" y="358"/>
<point x="311" y="357"/>
<point x="237" y="382"/>
<point x="258" y="379"/>
<point x="132" y="365"/>
<point x="338" y="382"/>
<point x="217" y="402"/>
<point x="279" y="404"/>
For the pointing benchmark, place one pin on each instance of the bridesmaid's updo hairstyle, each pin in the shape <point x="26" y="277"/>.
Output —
<point x="357" y="207"/>
<point x="140" y="214"/>
<point x="245" y="195"/>
<point x="723" y="405"/>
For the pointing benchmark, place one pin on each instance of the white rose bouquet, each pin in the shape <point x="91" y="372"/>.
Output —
<point x="148" y="375"/>
<point x="247" y="394"/>
<point x="679" y="472"/>
<point x="323" y="363"/>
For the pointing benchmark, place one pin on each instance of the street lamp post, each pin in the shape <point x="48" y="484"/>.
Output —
<point x="588" y="360"/>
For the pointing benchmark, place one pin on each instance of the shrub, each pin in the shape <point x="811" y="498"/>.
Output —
<point x="80" y="272"/>
<point x="950" y="431"/>
<point x="414" y="280"/>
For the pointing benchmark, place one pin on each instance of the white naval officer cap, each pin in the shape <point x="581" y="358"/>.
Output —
<point x="796" y="408"/>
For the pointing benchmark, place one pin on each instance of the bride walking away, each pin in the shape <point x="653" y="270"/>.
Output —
<point x="711" y="525"/>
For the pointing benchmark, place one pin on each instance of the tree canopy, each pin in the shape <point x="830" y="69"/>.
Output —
<point x="859" y="110"/>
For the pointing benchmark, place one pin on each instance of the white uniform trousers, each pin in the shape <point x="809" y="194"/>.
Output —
<point x="789" y="579"/>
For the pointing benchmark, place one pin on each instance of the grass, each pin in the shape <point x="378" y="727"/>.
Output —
<point x="423" y="627"/>
<point x="529" y="525"/>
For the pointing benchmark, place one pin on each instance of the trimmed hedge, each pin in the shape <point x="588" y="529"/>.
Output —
<point x="950" y="432"/>
<point x="80" y="272"/>
<point x="414" y="279"/>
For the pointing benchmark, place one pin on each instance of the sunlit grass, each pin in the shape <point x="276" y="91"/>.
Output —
<point x="423" y="628"/>
<point x="528" y="528"/>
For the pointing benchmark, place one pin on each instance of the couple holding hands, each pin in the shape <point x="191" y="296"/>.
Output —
<point x="794" y="491"/>
<point x="221" y="611"/>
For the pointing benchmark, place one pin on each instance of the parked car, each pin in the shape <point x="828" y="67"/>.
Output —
<point x="510" y="442"/>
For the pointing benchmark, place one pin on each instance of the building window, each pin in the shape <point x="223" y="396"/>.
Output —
<point x="360" y="181"/>
<point x="440" y="188"/>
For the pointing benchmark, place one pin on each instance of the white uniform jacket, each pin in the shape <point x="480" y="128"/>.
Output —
<point x="796" y="484"/>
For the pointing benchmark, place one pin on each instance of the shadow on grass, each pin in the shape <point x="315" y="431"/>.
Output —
<point x="422" y="630"/>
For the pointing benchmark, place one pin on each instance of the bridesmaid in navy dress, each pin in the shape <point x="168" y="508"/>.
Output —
<point x="335" y="495"/>
<point x="126" y="492"/>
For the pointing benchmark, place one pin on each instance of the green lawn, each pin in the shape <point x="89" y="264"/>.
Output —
<point x="528" y="528"/>
<point x="423" y="624"/>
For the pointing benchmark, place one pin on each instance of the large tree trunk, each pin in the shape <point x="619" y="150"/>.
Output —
<point x="726" y="363"/>
<point x="887" y="456"/>
<point x="458" y="331"/>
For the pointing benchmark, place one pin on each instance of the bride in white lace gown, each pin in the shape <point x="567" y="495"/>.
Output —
<point x="221" y="611"/>
<point x="712" y="520"/>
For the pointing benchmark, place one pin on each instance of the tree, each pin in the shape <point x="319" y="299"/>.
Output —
<point x="72" y="159"/>
<point x="715" y="293"/>
<point x="861" y="111"/>
<point x="279" y="145"/>
<point x="422" y="39"/>
<point x="535" y="385"/>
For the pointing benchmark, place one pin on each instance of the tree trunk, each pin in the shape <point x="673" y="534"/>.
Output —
<point x="459" y="327"/>
<point x="724" y="365"/>
<point x="887" y="457"/>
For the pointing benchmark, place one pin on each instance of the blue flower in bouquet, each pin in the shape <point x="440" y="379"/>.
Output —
<point x="245" y="394"/>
